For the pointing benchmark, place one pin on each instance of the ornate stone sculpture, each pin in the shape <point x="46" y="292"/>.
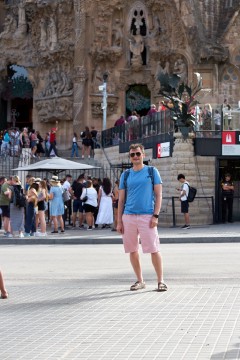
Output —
<point x="136" y="45"/>
<point x="43" y="39"/>
<point x="180" y="69"/>
<point x="160" y="70"/>
<point x="10" y="26"/>
<point x="22" y="22"/>
<point x="117" y="34"/>
<point x="52" y="34"/>
<point x="59" y="83"/>
<point x="54" y="109"/>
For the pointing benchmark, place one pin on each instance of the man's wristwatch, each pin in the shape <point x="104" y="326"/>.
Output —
<point x="156" y="216"/>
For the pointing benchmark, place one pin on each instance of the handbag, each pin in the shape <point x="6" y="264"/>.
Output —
<point x="85" y="197"/>
<point x="65" y="195"/>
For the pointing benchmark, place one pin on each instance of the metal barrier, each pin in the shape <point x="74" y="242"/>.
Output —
<point x="147" y="126"/>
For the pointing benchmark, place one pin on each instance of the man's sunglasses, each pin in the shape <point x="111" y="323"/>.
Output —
<point x="138" y="154"/>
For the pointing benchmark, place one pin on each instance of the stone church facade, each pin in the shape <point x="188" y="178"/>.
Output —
<point x="67" y="46"/>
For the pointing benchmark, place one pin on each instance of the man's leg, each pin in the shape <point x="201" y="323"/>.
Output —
<point x="80" y="218"/>
<point x="157" y="263"/>
<point x="187" y="218"/>
<point x="224" y="210"/>
<point x="55" y="149"/>
<point x="230" y="209"/>
<point x="74" y="216"/>
<point x="5" y="223"/>
<point x="135" y="261"/>
<point x="49" y="150"/>
<point x="3" y="290"/>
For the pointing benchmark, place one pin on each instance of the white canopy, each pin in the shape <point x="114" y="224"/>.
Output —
<point x="56" y="165"/>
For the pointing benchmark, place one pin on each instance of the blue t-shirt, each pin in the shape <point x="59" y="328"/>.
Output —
<point x="139" y="192"/>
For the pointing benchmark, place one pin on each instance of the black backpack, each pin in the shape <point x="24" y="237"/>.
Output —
<point x="19" y="199"/>
<point x="191" y="193"/>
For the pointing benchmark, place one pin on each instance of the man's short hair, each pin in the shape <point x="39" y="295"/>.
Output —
<point x="181" y="176"/>
<point x="2" y="178"/>
<point x="135" y="146"/>
<point x="68" y="176"/>
<point x="82" y="176"/>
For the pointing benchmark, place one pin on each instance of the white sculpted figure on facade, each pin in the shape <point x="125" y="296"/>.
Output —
<point x="43" y="39"/>
<point x="22" y="21"/>
<point x="136" y="45"/>
<point x="10" y="26"/>
<point x="180" y="69"/>
<point x="52" y="34"/>
<point x="117" y="33"/>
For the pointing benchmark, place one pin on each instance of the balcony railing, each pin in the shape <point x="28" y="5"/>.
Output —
<point x="136" y="130"/>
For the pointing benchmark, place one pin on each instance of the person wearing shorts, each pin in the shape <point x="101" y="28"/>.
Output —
<point x="184" y="190"/>
<point x="77" y="188"/>
<point x="5" y="198"/>
<point x="139" y="204"/>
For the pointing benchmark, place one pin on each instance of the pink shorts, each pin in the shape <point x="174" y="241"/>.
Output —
<point x="138" y="226"/>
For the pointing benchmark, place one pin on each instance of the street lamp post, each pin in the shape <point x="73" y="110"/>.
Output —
<point x="103" y="88"/>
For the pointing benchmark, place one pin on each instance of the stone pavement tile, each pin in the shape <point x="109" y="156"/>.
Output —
<point x="41" y="321"/>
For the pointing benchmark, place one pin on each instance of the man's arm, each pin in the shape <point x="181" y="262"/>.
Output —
<point x="158" y="198"/>
<point x="158" y="204"/>
<point x="121" y="202"/>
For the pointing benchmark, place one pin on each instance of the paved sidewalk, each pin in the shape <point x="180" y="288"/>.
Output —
<point x="196" y="234"/>
<point x="73" y="302"/>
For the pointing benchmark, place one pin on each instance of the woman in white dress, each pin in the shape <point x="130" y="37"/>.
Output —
<point x="105" y="212"/>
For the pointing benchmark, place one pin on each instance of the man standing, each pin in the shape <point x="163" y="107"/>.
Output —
<point x="5" y="198"/>
<point x="140" y="199"/>
<point x="227" y="198"/>
<point x="77" y="188"/>
<point x="52" y="140"/>
<point x="184" y="191"/>
<point x="68" y="202"/>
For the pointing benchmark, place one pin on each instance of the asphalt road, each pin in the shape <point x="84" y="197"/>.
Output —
<point x="186" y="263"/>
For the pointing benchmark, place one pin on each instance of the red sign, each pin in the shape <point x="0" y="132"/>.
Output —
<point x="163" y="150"/>
<point x="228" y="137"/>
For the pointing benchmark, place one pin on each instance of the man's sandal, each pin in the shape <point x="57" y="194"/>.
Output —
<point x="4" y="296"/>
<point x="138" y="285"/>
<point x="162" y="287"/>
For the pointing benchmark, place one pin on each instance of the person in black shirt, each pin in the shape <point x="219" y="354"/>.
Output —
<point x="227" y="198"/>
<point x="77" y="187"/>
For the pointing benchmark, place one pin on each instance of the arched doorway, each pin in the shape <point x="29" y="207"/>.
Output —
<point x="138" y="98"/>
<point x="17" y="98"/>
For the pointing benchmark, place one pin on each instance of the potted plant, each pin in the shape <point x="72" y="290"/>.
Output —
<point x="180" y="100"/>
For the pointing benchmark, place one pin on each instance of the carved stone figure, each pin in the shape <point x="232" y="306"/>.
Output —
<point x="180" y="69"/>
<point x="43" y="39"/>
<point x="159" y="70"/>
<point x="117" y="33"/>
<point x="22" y="21"/>
<point x="136" y="45"/>
<point x="10" y="27"/>
<point x="52" y="34"/>
<point x="97" y="78"/>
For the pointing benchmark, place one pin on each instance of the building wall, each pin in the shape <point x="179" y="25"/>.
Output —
<point x="67" y="46"/>
<point x="199" y="171"/>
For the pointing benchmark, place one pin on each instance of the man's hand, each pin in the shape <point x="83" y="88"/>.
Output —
<point x="153" y="222"/>
<point x="120" y="227"/>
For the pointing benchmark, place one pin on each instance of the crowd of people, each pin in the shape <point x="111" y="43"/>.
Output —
<point x="25" y="210"/>
<point x="12" y="141"/>
<point x="207" y="120"/>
